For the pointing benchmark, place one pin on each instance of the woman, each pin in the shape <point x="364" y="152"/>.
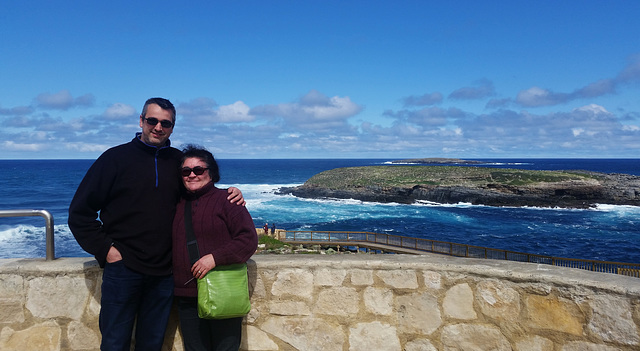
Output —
<point x="225" y="234"/>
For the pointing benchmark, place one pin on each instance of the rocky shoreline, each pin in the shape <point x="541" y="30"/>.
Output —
<point x="563" y="189"/>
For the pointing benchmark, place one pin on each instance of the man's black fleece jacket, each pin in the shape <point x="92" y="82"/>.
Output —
<point x="127" y="199"/>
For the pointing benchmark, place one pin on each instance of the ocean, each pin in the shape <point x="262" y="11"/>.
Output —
<point x="606" y="233"/>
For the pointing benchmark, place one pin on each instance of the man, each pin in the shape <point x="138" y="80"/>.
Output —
<point x="122" y="213"/>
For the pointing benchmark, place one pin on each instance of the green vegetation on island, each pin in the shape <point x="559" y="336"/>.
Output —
<point x="410" y="176"/>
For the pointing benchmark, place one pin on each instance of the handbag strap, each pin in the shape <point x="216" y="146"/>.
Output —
<point x="192" y="243"/>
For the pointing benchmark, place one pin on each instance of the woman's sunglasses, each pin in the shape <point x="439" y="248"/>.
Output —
<point x="152" y="121"/>
<point x="186" y="171"/>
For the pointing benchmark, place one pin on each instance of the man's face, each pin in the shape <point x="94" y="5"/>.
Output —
<point x="156" y="135"/>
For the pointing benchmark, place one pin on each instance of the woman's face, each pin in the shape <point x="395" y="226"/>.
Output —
<point x="192" y="181"/>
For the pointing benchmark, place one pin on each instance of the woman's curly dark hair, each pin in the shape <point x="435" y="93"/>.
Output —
<point x="192" y="150"/>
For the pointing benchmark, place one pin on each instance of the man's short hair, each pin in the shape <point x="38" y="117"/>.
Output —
<point x="163" y="103"/>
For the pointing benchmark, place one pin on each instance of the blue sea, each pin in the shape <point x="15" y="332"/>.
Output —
<point x="607" y="233"/>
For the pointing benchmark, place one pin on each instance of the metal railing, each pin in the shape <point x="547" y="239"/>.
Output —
<point x="459" y="250"/>
<point x="50" y="249"/>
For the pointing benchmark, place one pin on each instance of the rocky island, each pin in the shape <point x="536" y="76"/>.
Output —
<point x="475" y="185"/>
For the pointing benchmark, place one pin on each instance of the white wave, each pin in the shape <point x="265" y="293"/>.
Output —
<point x="618" y="208"/>
<point x="29" y="241"/>
<point x="470" y="205"/>
<point x="10" y="233"/>
<point x="436" y="204"/>
<point x="505" y="163"/>
<point x="22" y="232"/>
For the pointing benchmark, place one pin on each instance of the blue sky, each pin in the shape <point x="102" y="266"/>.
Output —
<point x="325" y="79"/>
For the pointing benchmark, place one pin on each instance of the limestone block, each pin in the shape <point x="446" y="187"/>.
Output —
<point x="11" y="286"/>
<point x="473" y="337"/>
<point x="293" y="281"/>
<point x="82" y="337"/>
<point x="64" y="296"/>
<point x="329" y="277"/>
<point x="458" y="302"/>
<point x="42" y="337"/>
<point x="378" y="300"/>
<point x="93" y="309"/>
<point x="254" y="313"/>
<point x="257" y="288"/>
<point x="399" y="279"/>
<point x="554" y="313"/>
<point x="419" y="345"/>
<point x="418" y="313"/>
<point x="534" y="343"/>
<point x="255" y="339"/>
<point x="612" y="320"/>
<point x="11" y="311"/>
<point x="337" y="301"/>
<point x="498" y="301"/>
<point x="289" y="308"/>
<point x="432" y="280"/>
<point x="587" y="346"/>
<point x="269" y="275"/>
<point x="306" y="333"/>
<point x="361" y="277"/>
<point x="373" y="336"/>
<point x="538" y="288"/>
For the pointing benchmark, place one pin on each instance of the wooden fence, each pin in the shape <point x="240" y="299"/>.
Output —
<point x="403" y="244"/>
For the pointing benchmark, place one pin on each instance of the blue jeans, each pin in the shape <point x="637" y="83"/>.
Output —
<point x="127" y="296"/>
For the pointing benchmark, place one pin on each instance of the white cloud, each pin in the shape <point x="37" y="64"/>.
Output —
<point x="484" y="88"/>
<point x="423" y="100"/>
<point x="16" y="111"/>
<point x="313" y="111"/>
<point x="31" y="147"/>
<point x="535" y="96"/>
<point x="592" y="108"/>
<point x="86" y="147"/>
<point x="234" y="113"/>
<point x="63" y="100"/>
<point x="60" y="100"/>
<point x="205" y="111"/>
<point x="119" y="111"/>
<point x="289" y="135"/>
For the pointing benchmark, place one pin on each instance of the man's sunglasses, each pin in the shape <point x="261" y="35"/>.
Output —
<point x="186" y="171"/>
<point x="152" y="121"/>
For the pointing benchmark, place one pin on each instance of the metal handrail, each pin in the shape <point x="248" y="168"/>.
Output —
<point x="459" y="250"/>
<point x="50" y="249"/>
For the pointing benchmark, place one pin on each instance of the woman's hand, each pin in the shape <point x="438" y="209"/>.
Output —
<point x="203" y="265"/>
<point x="235" y="196"/>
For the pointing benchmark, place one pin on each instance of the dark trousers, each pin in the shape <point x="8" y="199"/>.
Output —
<point x="207" y="334"/>
<point x="130" y="298"/>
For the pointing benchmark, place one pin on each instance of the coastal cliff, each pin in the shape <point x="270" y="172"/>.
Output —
<point x="475" y="185"/>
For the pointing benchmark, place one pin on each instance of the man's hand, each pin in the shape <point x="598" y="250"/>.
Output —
<point x="235" y="196"/>
<point x="113" y="255"/>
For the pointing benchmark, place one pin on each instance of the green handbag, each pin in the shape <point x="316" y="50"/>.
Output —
<point x="224" y="292"/>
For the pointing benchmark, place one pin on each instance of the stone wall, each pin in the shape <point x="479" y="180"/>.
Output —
<point x="355" y="302"/>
